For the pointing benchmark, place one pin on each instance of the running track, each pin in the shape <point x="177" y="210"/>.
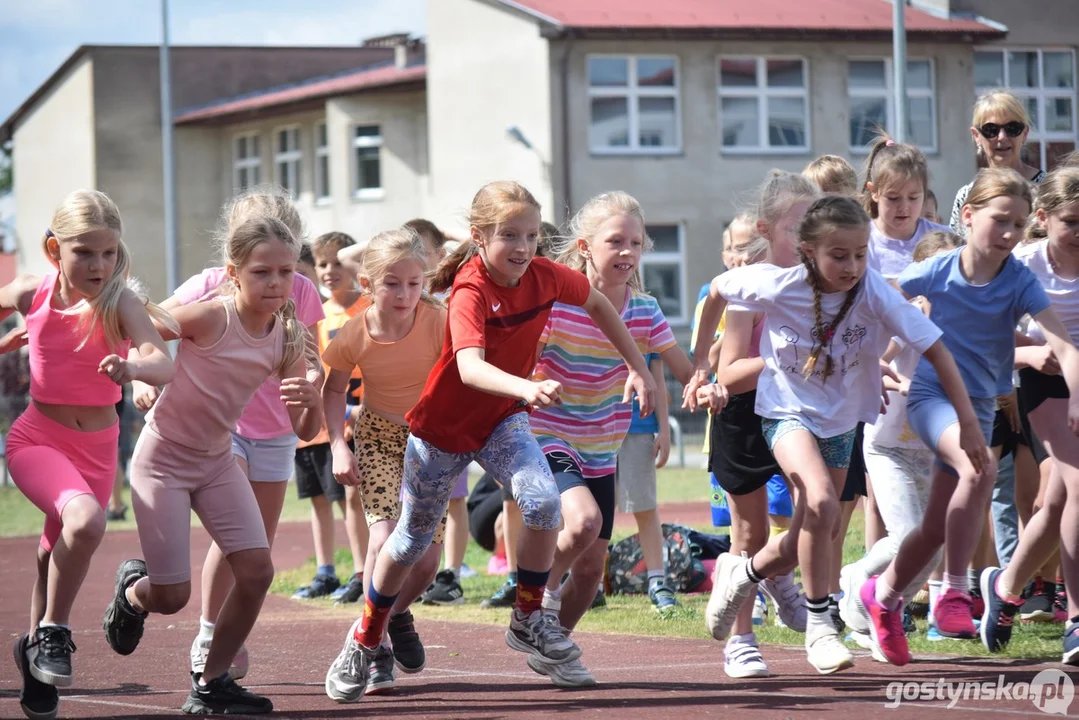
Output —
<point x="471" y="673"/>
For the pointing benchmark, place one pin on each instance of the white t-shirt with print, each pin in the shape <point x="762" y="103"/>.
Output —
<point x="1063" y="294"/>
<point x="890" y="256"/>
<point x="892" y="428"/>
<point x="852" y="393"/>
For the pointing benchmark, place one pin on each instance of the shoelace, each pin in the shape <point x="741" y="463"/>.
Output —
<point x="549" y="628"/>
<point x="55" y="642"/>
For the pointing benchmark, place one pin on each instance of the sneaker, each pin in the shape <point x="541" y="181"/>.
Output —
<point x="504" y="596"/>
<point x="662" y="597"/>
<point x="39" y="701"/>
<point x="49" y="655"/>
<point x="222" y="696"/>
<point x="743" y="660"/>
<point x="540" y="634"/>
<point x="116" y="514"/>
<point x="833" y="612"/>
<point x="885" y="626"/>
<point x="932" y="634"/>
<point x="1071" y="645"/>
<point x="497" y="565"/>
<point x="730" y="589"/>
<point x="919" y="604"/>
<point x="321" y="586"/>
<point x="909" y="628"/>
<point x="998" y="615"/>
<point x="572" y="674"/>
<point x="466" y="572"/>
<point x="1039" y="606"/>
<point x="408" y="650"/>
<point x="123" y="623"/>
<point x="760" y="609"/>
<point x="380" y="671"/>
<point x="599" y="601"/>
<point x="851" y="579"/>
<point x="350" y="592"/>
<point x="977" y="603"/>
<point x="826" y="653"/>
<point x="789" y="600"/>
<point x="953" y="615"/>
<point x="200" y="649"/>
<point x="446" y="590"/>
<point x="1060" y="604"/>
<point x="346" y="680"/>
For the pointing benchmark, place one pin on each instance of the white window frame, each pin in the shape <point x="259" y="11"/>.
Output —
<point x="1041" y="94"/>
<point x="248" y="162"/>
<point x="322" y="152"/>
<point x="633" y="94"/>
<point x="887" y="93"/>
<point x="762" y="93"/>
<point x="654" y="257"/>
<point x="293" y="159"/>
<point x="367" y="141"/>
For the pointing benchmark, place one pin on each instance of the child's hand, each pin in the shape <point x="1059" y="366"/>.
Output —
<point x="299" y="392"/>
<point x="1043" y="360"/>
<point x="645" y="387"/>
<point x="144" y="396"/>
<point x="544" y="393"/>
<point x="701" y="376"/>
<point x="1010" y="407"/>
<point x="662" y="449"/>
<point x="972" y="442"/>
<point x="345" y="468"/>
<point x="119" y="370"/>
<point x="14" y="340"/>
<point x="714" y="395"/>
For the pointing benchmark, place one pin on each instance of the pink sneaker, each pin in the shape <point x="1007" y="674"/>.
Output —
<point x="885" y="626"/>
<point x="497" y="565"/>
<point x="953" y="615"/>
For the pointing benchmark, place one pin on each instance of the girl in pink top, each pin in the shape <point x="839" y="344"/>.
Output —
<point x="81" y="319"/>
<point x="183" y="460"/>
<point x="262" y="441"/>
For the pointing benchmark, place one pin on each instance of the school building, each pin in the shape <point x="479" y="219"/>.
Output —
<point x="685" y="104"/>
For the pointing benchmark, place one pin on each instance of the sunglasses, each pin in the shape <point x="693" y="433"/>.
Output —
<point x="990" y="131"/>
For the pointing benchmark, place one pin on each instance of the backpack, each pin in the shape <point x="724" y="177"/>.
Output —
<point x="627" y="574"/>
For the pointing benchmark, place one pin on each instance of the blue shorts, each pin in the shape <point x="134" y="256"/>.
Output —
<point x="779" y="500"/>
<point x="930" y="413"/>
<point x="835" y="450"/>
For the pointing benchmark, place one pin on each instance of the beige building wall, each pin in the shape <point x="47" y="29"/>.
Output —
<point x="200" y="192"/>
<point x="488" y="69"/>
<point x="54" y="154"/>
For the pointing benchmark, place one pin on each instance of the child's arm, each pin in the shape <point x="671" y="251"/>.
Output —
<point x="148" y="360"/>
<point x="17" y="295"/>
<point x="345" y="469"/>
<point x="971" y="439"/>
<point x="734" y="369"/>
<point x="302" y="402"/>
<point x="713" y="353"/>
<point x="1039" y="357"/>
<point x="481" y="375"/>
<point x="1058" y="338"/>
<point x="663" y="437"/>
<point x="608" y="320"/>
<point x="714" y="303"/>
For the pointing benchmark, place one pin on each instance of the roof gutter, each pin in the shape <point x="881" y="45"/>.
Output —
<point x="563" y="32"/>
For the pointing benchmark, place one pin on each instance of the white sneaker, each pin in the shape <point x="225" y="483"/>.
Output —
<point x="346" y="680"/>
<point x="730" y="589"/>
<point x="760" y="609"/>
<point x="570" y="674"/>
<point x="200" y="649"/>
<point x="743" y="660"/>
<point x="825" y="652"/>
<point x="789" y="600"/>
<point x="851" y="609"/>
<point x="541" y="635"/>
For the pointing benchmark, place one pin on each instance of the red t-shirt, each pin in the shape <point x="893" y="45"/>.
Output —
<point x="507" y="323"/>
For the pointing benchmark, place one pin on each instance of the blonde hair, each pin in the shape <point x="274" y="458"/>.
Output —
<point x="236" y="251"/>
<point x="495" y="203"/>
<point x="587" y="222"/>
<point x="891" y="163"/>
<point x="996" y="182"/>
<point x="822" y="219"/>
<point x="389" y="248"/>
<point x="779" y="191"/>
<point x="757" y="248"/>
<point x="934" y="242"/>
<point x="833" y="174"/>
<point x="999" y="102"/>
<point x="1059" y="188"/>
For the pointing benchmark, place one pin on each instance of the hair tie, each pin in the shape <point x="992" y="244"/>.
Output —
<point x="49" y="233"/>
<point x="890" y="143"/>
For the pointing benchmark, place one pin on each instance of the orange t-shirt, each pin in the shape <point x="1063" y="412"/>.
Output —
<point x="393" y="373"/>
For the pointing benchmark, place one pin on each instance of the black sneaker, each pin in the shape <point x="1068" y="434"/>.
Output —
<point x="600" y="600"/>
<point x="445" y="591"/>
<point x="351" y="592"/>
<point x="909" y="628"/>
<point x="222" y="696"/>
<point x="123" y="623"/>
<point x="833" y="611"/>
<point x="408" y="650"/>
<point x="504" y="596"/>
<point x="1071" y="645"/>
<point x="1039" y="606"/>
<point x="49" y="654"/>
<point x="321" y="586"/>
<point x="38" y="700"/>
<point x="998" y="617"/>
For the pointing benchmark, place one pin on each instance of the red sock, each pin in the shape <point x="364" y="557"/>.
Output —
<point x="376" y="613"/>
<point x="529" y="598"/>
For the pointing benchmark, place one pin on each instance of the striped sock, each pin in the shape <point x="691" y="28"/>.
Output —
<point x="818" y="616"/>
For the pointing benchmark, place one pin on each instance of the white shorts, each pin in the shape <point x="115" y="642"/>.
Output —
<point x="268" y="459"/>
<point x="635" y="478"/>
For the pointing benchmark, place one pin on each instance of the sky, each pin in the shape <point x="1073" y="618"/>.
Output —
<point x="36" y="36"/>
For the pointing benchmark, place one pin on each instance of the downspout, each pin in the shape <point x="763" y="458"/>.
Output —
<point x="566" y="173"/>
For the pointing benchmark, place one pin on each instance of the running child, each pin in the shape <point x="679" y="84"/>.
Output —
<point x="474" y="407"/>
<point x="183" y="460"/>
<point x="81" y="319"/>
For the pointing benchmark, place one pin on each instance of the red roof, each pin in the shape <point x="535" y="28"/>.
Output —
<point x="296" y="96"/>
<point x="784" y="16"/>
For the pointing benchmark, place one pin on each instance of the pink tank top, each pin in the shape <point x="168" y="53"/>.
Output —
<point x="200" y="407"/>
<point x="60" y="374"/>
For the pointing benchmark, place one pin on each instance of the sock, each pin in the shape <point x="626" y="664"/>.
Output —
<point x="1005" y="593"/>
<point x="326" y="570"/>
<point x="973" y="577"/>
<point x="552" y="600"/>
<point x="206" y="629"/>
<point x="818" y="616"/>
<point x="456" y="572"/>
<point x="376" y="613"/>
<point x="530" y="586"/>
<point x="886" y="594"/>
<point x="48" y="624"/>
<point x="747" y="639"/>
<point x="753" y="575"/>
<point x="655" y="576"/>
<point x="934" y="595"/>
<point x="955" y="582"/>
<point x="511" y="578"/>
<point x="836" y="596"/>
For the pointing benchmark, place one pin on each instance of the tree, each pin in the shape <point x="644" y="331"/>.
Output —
<point x="6" y="172"/>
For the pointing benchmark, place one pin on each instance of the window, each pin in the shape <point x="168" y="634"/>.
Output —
<point x="764" y="104"/>
<point x="247" y="162"/>
<point x="367" y="147"/>
<point x="663" y="270"/>
<point x="633" y="102"/>
<point x="287" y="157"/>
<point x="872" y="103"/>
<point x="322" y="162"/>
<point x="1045" y="81"/>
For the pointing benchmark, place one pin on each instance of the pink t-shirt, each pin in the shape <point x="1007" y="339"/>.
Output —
<point x="265" y="416"/>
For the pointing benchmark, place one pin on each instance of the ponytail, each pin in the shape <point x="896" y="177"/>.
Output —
<point x="451" y="264"/>
<point x="295" y="337"/>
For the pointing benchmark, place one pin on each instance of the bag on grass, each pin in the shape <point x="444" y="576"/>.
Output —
<point x="628" y="575"/>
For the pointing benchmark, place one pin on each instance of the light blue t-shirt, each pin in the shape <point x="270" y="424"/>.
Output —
<point x="648" y="425"/>
<point x="978" y="321"/>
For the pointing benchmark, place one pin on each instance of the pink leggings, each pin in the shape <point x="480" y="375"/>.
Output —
<point x="51" y="463"/>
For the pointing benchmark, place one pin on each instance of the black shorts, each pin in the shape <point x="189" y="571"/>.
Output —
<point x="1034" y="389"/>
<point x="856" y="484"/>
<point x="567" y="474"/>
<point x="314" y="473"/>
<point x="484" y="506"/>
<point x="1004" y="436"/>
<point x="738" y="453"/>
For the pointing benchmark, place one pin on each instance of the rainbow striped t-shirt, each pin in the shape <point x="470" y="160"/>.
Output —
<point x="592" y="421"/>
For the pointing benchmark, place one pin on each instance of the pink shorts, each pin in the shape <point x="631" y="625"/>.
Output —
<point x="168" y="481"/>
<point x="52" y="463"/>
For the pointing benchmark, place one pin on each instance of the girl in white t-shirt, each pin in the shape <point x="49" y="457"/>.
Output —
<point x="827" y="323"/>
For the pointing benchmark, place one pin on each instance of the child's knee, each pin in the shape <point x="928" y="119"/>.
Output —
<point x="170" y="599"/>
<point x="822" y="510"/>
<point x="407" y="549"/>
<point x="542" y="512"/>
<point x="254" y="573"/>
<point x="583" y="528"/>
<point x="84" y="521"/>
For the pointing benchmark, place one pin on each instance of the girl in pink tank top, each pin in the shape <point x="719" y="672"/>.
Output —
<point x="229" y="346"/>
<point x="81" y="322"/>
